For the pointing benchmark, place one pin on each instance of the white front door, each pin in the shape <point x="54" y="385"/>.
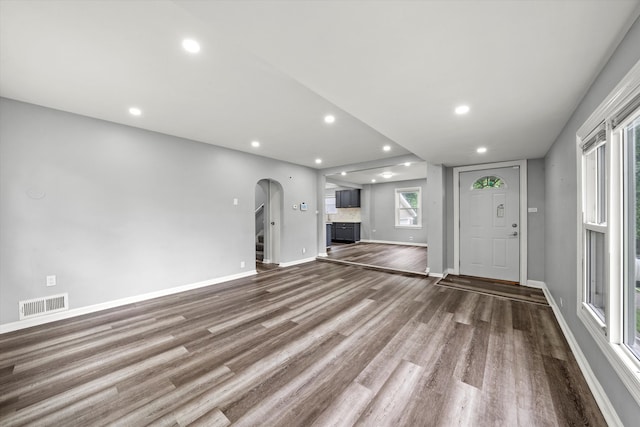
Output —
<point x="490" y="223"/>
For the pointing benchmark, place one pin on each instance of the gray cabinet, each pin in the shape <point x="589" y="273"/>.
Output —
<point x="346" y="231"/>
<point x="348" y="198"/>
<point x="329" y="234"/>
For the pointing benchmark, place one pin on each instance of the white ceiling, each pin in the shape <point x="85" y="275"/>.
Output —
<point x="390" y="173"/>
<point x="390" y="71"/>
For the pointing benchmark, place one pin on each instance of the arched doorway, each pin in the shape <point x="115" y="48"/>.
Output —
<point x="268" y="214"/>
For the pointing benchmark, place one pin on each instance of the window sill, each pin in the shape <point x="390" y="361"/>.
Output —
<point x="413" y="227"/>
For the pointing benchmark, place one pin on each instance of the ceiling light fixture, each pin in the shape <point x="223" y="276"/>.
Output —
<point x="329" y="119"/>
<point x="135" y="111"/>
<point x="387" y="148"/>
<point x="343" y="173"/>
<point x="407" y="164"/>
<point x="482" y="150"/>
<point x="255" y="144"/>
<point x="373" y="180"/>
<point x="387" y="175"/>
<point x="191" y="45"/>
<point x="462" y="109"/>
<point x="318" y="161"/>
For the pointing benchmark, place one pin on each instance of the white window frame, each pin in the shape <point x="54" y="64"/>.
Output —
<point x="398" y="207"/>
<point x="609" y="334"/>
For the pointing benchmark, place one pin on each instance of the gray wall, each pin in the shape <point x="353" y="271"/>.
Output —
<point x="535" y="220"/>
<point x="561" y="222"/>
<point x="115" y="211"/>
<point x="535" y="229"/>
<point x="378" y="213"/>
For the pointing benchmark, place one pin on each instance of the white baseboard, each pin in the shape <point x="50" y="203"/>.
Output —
<point x="27" y="323"/>
<point x="299" y="261"/>
<point x="535" y="284"/>
<point x="323" y="254"/>
<point x="599" y="394"/>
<point x="388" y="242"/>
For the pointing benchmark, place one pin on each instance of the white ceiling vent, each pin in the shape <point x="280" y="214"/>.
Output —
<point x="40" y="306"/>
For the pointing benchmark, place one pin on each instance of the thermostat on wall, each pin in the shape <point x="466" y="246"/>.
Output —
<point x="303" y="206"/>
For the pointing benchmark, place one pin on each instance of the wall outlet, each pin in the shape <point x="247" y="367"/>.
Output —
<point x="410" y="237"/>
<point x="241" y="264"/>
<point x="235" y="201"/>
<point x="304" y="250"/>
<point x="51" y="280"/>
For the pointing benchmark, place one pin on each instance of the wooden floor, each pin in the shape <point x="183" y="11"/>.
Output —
<point x="491" y="287"/>
<point x="313" y="345"/>
<point x="400" y="258"/>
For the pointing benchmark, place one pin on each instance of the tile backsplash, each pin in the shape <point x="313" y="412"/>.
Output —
<point x="345" y="215"/>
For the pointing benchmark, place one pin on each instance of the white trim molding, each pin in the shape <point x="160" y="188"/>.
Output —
<point x="389" y="242"/>
<point x="608" y="411"/>
<point x="535" y="284"/>
<point x="22" y="324"/>
<point x="522" y="164"/>
<point x="296" y="262"/>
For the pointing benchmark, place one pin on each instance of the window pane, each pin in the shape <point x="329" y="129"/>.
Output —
<point x="596" y="286"/>
<point x="632" y="237"/>
<point x="330" y="205"/>
<point x="407" y="217"/>
<point x="410" y="199"/>
<point x="596" y="186"/>
<point x="488" y="182"/>
<point x="601" y="203"/>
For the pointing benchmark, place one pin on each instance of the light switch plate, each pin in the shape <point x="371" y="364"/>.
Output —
<point x="51" y="280"/>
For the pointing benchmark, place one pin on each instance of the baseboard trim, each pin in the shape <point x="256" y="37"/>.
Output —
<point x="535" y="284"/>
<point x="599" y="394"/>
<point x="28" y="323"/>
<point x="300" y="261"/>
<point x="388" y="242"/>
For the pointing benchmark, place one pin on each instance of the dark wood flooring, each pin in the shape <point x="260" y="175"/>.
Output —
<point x="398" y="258"/>
<point x="491" y="287"/>
<point x="312" y="345"/>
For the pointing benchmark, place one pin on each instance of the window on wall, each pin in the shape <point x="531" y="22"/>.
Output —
<point x="631" y="232"/>
<point x="330" y="205"/>
<point x="609" y="238"/>
<point x="594" y="222"/>
<point x="408" y="207"/>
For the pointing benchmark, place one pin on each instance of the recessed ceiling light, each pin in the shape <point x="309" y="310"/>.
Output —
<point x="255" y="144"/>
<point x="387" y="148"/>
<point x="462" y="109"/>
<point x="191" y="45"/>
<point x="386" y="175"/>
<point x="318" y="161"/>
<point x="135" y="111"/>
<point x="329" y="119"/>
<point x="343" y="173"/>
<point x="482" y="150"/>
<point x="408" y="164"/>
<point x="373" y="180"/>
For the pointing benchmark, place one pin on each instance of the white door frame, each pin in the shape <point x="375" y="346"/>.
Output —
<point x="523" y="212"/>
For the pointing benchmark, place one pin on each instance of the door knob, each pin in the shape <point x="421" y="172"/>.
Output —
<point x="515" y="233"/>
<point x="273" y="223"/>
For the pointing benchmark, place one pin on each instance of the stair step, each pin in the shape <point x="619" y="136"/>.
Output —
<point x="260" y="238"/>
<point x="260" y="247"/>
<point x="259" y="256"/>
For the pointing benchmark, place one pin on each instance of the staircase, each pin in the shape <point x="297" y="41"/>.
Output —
<point x="260" y="246"/>
<point x="260" y="233"/>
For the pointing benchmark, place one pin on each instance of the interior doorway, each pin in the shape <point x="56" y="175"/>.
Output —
<point x="268" y="217"/>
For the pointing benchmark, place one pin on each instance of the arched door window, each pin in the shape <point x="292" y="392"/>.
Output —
<point x="489" y="181"/>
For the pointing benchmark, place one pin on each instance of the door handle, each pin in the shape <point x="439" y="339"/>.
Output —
<point x="273" y="223"/>
<point x="515" y="233"/>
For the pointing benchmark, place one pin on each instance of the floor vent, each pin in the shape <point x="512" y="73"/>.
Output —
<point x="40" y="306"/>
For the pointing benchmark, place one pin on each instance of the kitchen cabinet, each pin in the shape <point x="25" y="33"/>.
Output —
<point x="329" y="234"/>
<point x="346" y="231"/>
<point x="348" y="198"/>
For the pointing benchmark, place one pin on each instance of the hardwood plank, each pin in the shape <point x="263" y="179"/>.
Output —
<point x="315" y="344"/>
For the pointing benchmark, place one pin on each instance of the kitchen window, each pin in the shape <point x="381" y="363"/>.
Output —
<point x="408" y="208"/>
